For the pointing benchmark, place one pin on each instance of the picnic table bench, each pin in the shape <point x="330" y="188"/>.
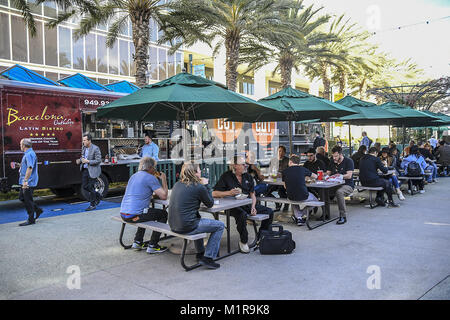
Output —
<point x="301" y="204"/>
<point x="165" y="229"/>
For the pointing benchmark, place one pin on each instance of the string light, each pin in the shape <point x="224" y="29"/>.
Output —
<point x="411" y="25"/>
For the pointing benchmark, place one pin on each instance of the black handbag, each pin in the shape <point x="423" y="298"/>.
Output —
<point x="276" y="242"/>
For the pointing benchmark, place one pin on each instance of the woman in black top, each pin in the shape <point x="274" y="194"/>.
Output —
<point x="185" y="199"/>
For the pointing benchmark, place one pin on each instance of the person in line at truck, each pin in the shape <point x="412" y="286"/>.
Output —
<point x="149" y="149"/>
<point x="89" y="162"/>
<point x="28" y="179"/>
<point x="135" y="206"/>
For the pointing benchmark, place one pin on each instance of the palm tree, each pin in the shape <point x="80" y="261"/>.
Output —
<point x="232" y="23"/>
<point x="73" y="7"/>
<point x="292" y="49"/>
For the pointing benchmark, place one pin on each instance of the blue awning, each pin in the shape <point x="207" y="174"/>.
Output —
<point x="19" y="73"/>
<point x="123" y="86"/>
<point x="79" y="81"/>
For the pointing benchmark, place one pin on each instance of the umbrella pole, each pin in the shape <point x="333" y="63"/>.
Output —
<point x="404" y="134"/>
<point x="290" y="137"/>
<point x="350" y="139"/>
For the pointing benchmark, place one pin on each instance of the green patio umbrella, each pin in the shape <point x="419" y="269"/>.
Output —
<point x="368" y="113"/>
<point x="182" y="97"/>
<point x="294" y="105"/>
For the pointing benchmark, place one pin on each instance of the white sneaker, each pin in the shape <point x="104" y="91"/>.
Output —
<point x="401" y="196"/>
<point x="244" y="247"/>
<point x="422" y="191"/>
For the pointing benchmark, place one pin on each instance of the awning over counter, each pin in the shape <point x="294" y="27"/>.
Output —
<point x="122" y="86"/>
<point x="79" y="81"/>
<point x="20" y="73"/>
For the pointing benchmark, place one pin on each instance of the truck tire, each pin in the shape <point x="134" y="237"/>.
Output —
<point x="101" y="186"/>
<point x="63" y="192"/>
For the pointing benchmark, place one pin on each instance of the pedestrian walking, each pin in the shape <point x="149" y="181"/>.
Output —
<point x="28" y="179"/>
<point x="89" y="162"/>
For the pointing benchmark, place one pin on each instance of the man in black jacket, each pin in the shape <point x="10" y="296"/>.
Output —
<point x="318" y="141"/>
<point x="368" y="175"/>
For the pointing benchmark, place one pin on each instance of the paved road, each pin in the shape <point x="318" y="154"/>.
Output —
<point x="400" y="253"/>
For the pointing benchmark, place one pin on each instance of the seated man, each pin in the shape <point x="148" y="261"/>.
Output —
<point x="234" y="182"/>
<point x="343" y="167"/>
<point x="368" y="175"/>
<point x="278" y="165"/>
<point x="313" y="164"/>
<point x="414" y="166"/>
<point x="294" y="182"/>
<point x="321" y="155"/>
<point x="390" y="161"/>
<point x="443" y="155"/>
<point x="358" y="155"/>
<point x="136" y="202"/>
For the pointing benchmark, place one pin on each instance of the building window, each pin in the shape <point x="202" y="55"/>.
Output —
<point x="179" y="62"/>
<point x="162" y="64"/>
<point x="246" y="85"/>
<point x="37" y="45"/>
<point x="302" y="89"/>
<point x="4" y="36"/>
<point x="78" y="54"/>
<point x="124" y="58"/>
<point x="4" y="3"/>
<point x="153" y="64"/>
<point x="50" y="9"/>
<point x="65" y="41"/>
<point x="102" y="81"/>
<point x="171" y="65"/>
<point x="133" y="63"/>
<point x="19" y="40"/>
<point x="51" y="49"/>
<point x="102" y="54"/>
<point x="90" y="47"/>
<point x="113" y="59"/>
<point x="153" y="30"/>
<point x="52" y="76"/>
<point x="274" y="87"/>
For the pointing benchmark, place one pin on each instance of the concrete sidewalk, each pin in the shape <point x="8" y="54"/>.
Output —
<point x="400" y="253"/>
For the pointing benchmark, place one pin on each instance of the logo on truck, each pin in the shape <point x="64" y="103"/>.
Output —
<point x="58" y="119"/>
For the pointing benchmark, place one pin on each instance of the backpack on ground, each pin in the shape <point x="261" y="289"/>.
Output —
<point x="413" y="169"/>
<point x="276" y="242"/>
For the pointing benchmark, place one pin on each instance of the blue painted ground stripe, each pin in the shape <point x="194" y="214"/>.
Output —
<point x="16" y="212"/>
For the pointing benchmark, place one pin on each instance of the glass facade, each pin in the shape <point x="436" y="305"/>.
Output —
<point x="59" y="48"/>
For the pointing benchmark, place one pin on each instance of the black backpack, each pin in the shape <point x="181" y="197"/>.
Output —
<point x="276" y="242"/>
<point x="413" y="169"/>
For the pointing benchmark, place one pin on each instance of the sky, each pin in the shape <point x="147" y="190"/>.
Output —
<point x="427" y="44"/>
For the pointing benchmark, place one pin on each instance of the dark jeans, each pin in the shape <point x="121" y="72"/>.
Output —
<point x="240" y="215"/>
<point x="281" y="192"/>
<point x="88" y="184"/>
<point x="152" y="215"/>
<point x="26" y="196"/>
<point x="384" y="183"/>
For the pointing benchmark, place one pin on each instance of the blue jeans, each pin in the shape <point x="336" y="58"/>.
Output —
<point x="261" y="188"/>
<point x="394" y="181"/>
<point x="433" y="169"/>
<point x="215" y="227"/>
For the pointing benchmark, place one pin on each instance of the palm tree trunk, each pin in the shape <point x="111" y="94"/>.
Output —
<point x="343" y="82"/>
<point x="363" y="89"/>
<point x="286" y="64"/>
<point x="141" y="35"/>
<point x="232" y="45"/>
<point x="326" y="80"/>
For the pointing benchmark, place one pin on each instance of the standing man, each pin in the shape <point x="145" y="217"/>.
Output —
<point x="90" y="160"/>
<point x="318" y="141"/>
<point x="28" y="179"/>
<point x="149" y="149"/>
<point x="343" y="167"/>
<point x="365" y="140"/>
<point x="433" y="141"/>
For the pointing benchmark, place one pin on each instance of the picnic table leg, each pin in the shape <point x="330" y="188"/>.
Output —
<point x="183" y="255"/>
<point x="325" y="197"/>
<point x="121" y="237"/>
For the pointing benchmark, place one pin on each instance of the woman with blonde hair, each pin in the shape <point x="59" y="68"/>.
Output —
<point x="185" y="200"/>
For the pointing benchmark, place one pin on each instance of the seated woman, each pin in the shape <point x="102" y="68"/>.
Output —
<point x="238" y="181"/>
<point x="258" y="178"/>
<point x="415" y="156"/>
<point x="427" y="152"/>
<point x="389" y="161"/>
<point x="358" y="155"/>
<point x="368" y="174"/>
<point x="187" y="195"/>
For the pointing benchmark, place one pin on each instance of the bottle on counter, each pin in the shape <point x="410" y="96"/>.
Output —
<point x="106" y="159"/>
